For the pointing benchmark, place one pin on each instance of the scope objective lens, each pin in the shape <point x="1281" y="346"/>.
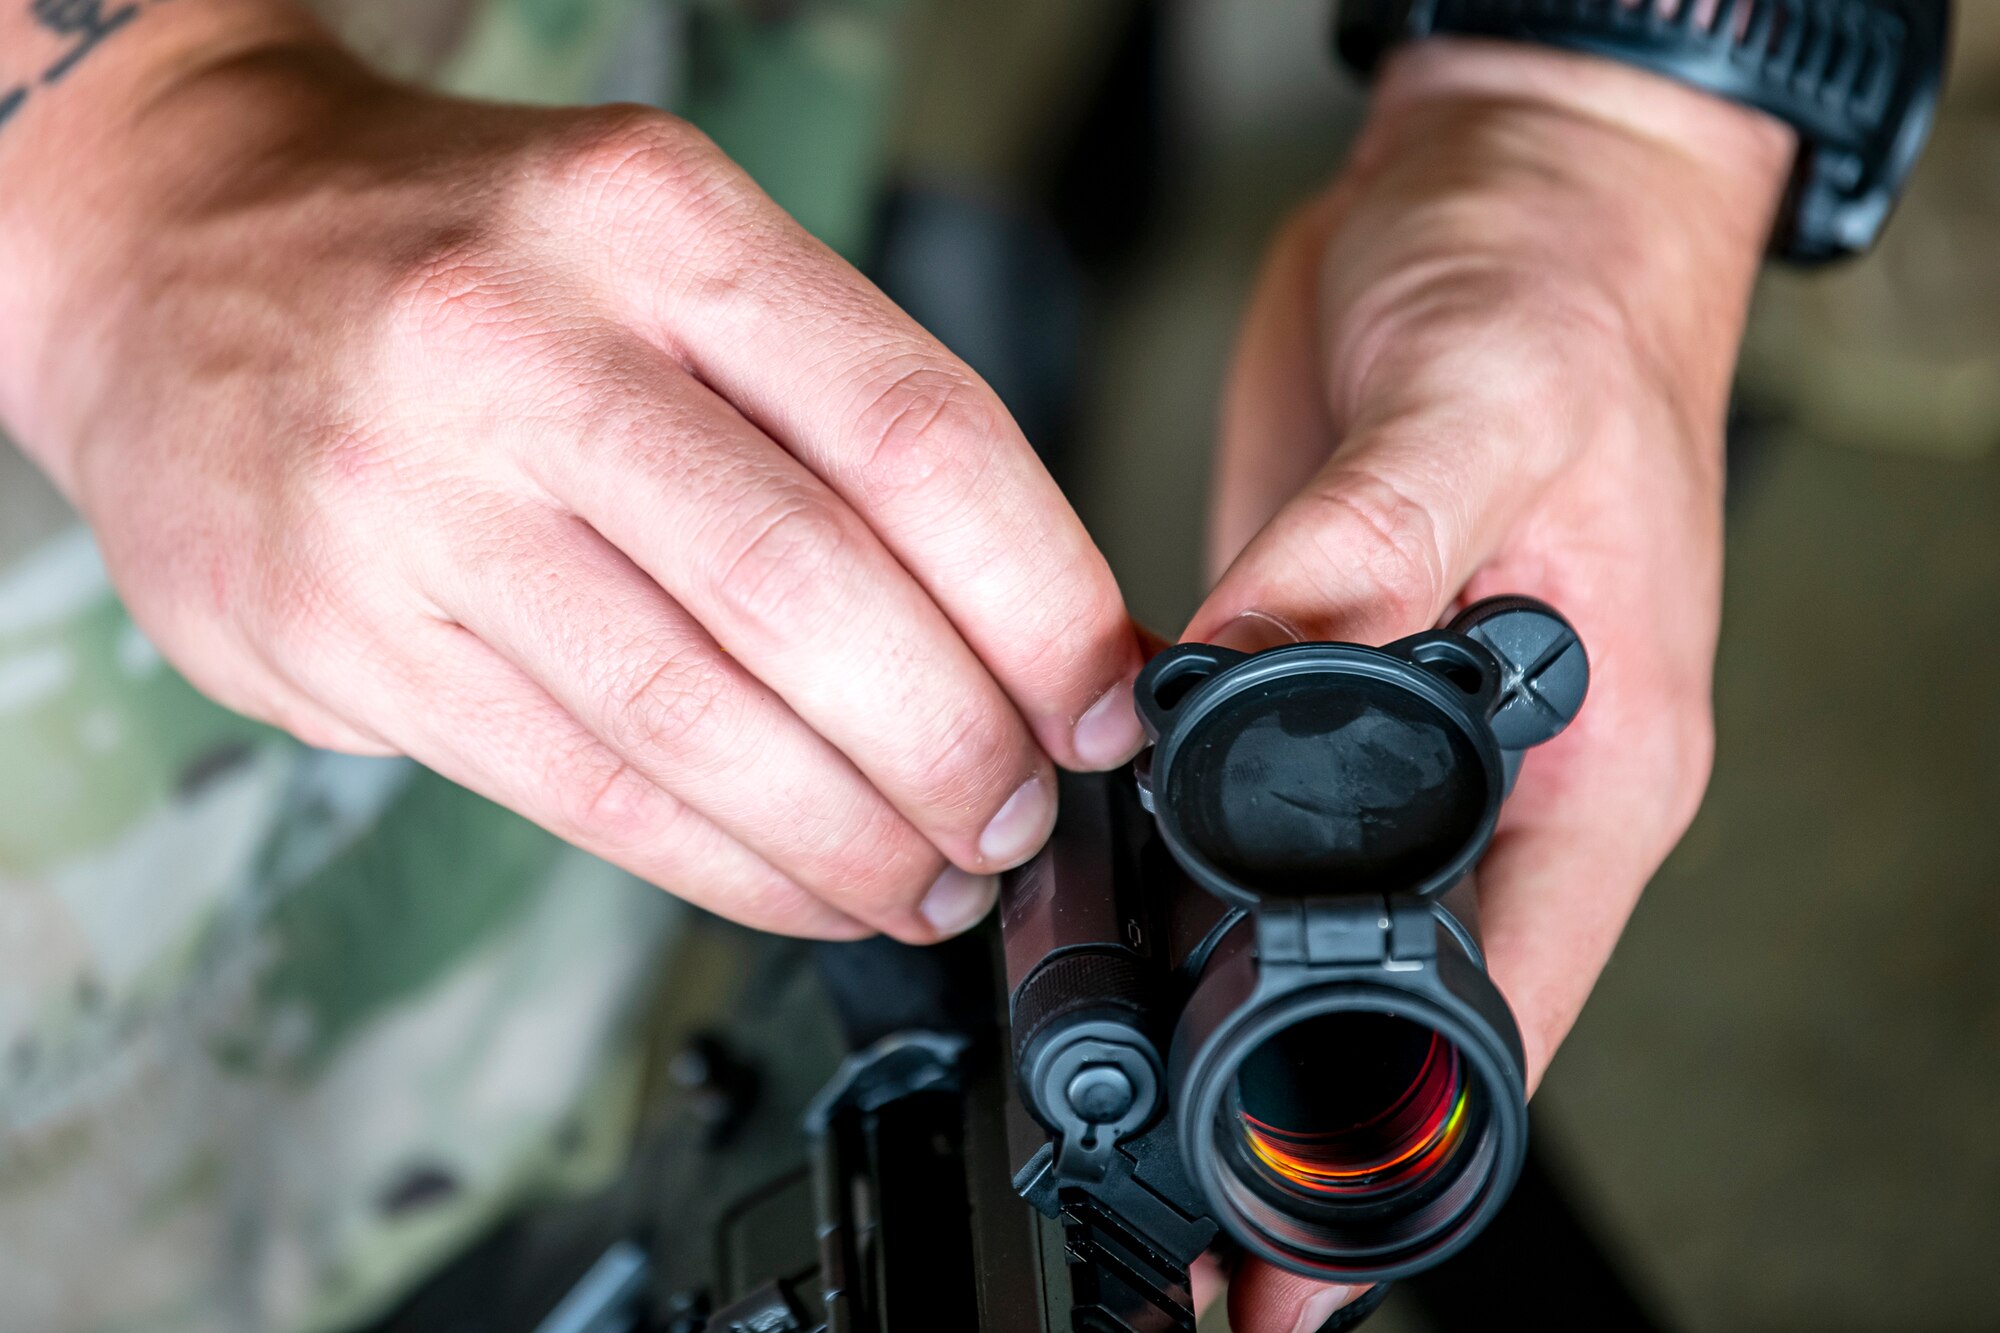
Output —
<point x="1354" y="1105"/>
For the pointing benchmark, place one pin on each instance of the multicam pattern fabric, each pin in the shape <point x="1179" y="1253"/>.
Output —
<point x="280" y="1030"/>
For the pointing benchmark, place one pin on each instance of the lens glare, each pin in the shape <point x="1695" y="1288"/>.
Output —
<point x="1354" y="1106"/>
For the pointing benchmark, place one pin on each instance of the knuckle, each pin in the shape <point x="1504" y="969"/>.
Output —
<point x="624" y="146"/>
<point x="888" y="864"/>
<point x="671" y="709"/>
<point x="965" y="767"/>
<point x="630" y="167"/>
<point x="605" y="802"/>
<point x="457" y="287"/>
<point x="1370" y="529"/>
<point x="1067" y="640"/>
<point x="931" y="431"/>
<point x="773" y="575"/>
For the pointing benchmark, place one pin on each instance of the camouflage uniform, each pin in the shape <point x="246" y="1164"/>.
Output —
<point x="279" y="1029"/>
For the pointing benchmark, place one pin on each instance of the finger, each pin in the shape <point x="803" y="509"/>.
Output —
<point x="1264" y="1299"/>
<point x="1207" y="1282"/>
<point x="560" y="602"/>
<point x="1276" y="428"/>
<point x="1382" y="539"/>
<point x="918" y="445"/>
<point x="459" y="708"/>
<point x="792" y="584"/>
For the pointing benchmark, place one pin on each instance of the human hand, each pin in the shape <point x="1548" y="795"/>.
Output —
<point x="541" y="446"/>
<point x="1495" y="358"/>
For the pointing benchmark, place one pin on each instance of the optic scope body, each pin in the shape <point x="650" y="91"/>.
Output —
<point x="1240" y="1003"/>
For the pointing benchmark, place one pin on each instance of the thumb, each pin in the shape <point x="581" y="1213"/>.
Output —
<point x="1277" y="429"/>
<point x="1378" y="543"/>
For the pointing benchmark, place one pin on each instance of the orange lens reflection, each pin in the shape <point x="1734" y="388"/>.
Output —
<point x="1398" y="1146"/>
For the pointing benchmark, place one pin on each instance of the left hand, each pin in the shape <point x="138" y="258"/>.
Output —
<point x="1495" y="357"/>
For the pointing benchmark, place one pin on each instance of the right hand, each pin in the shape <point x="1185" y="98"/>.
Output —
<point x="1495" y="358"/>
<point x="541" y="446"/>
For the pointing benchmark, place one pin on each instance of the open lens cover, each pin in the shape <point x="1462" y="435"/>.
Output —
<point x="1334" y="768"/>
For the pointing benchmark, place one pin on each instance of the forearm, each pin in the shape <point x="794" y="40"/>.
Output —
<point x="81" y="153"/>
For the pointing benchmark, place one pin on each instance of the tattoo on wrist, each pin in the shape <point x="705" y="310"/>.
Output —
<point x="84" y="22"/>
<point x="83" y="25"/>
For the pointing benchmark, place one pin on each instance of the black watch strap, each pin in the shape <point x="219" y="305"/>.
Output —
<point x="1858" y="80"/>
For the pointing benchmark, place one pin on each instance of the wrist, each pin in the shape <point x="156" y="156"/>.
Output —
<point x="1621" y="98"/>
<point x="1572" y="179"/>
<point x="87" y="162"/>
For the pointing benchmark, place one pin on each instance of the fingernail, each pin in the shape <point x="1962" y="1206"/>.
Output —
<point x="1253" y="632"/>
<point x="1022" y="826"/>
<point x="958" y="900"/>
<point x="1108" y="733"/>
<point x="1320" y="1307"/>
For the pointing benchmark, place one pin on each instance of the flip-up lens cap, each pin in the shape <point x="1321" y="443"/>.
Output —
<point x="1324" y="768"/>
